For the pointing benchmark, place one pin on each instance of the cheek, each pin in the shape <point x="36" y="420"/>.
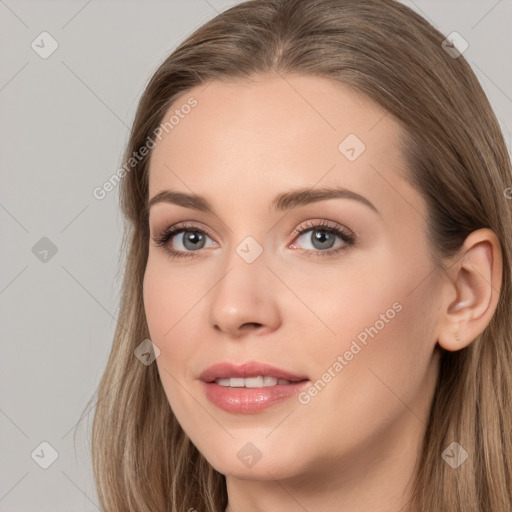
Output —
<point x="173" y="306"/>
<point x="378" y="317"/>
<point x="382" y="294"/>
<point x="168" y="306"/>
<point x="335" y="303"/>
<point x="169" y="296"/>
<point x="384" y="368"/>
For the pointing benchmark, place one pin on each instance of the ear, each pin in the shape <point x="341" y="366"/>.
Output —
<point x="471" y="290"/>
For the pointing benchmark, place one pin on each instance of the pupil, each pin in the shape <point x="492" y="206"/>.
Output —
<point x="322" y="239"/>
<point x="194" y="238"/>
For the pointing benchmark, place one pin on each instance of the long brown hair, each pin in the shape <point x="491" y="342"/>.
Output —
<point x="457" y="159"/>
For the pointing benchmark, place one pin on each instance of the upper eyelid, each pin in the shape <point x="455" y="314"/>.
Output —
<point x="181" y="226"/>
<point x="322" y="223"/>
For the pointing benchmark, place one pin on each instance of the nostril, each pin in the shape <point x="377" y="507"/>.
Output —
<point x="250" y="325"/>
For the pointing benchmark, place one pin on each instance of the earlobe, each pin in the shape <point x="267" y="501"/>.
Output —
<point x="475" y="281"/>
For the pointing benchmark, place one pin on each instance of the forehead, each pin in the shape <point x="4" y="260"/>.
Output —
<point x="272" y="133"/>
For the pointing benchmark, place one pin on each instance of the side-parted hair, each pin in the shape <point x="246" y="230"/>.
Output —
<point x="457" y="160"/>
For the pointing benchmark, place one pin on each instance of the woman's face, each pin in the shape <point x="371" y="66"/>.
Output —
<point x="352" y="313"/>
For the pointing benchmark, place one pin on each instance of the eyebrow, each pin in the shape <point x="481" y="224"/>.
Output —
<point x="282" y="202"/>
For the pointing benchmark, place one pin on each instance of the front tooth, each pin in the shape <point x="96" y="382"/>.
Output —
<point x="237" y="382"/>
<point x="269" y="381"/>
<point x="253" y="382"/>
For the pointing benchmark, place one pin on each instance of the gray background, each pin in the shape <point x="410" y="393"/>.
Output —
<point x="64" y="121"/>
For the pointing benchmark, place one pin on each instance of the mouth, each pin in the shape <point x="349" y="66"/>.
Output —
<point x="250" y="387"/>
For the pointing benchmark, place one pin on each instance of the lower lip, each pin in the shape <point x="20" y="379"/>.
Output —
<point x="250" y="400"/>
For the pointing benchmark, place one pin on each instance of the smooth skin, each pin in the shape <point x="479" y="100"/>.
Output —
<point x="354" y="446"/>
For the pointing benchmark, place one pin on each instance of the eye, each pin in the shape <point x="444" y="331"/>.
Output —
<point x="182" y="240"/>
<point x="323" y="238"/>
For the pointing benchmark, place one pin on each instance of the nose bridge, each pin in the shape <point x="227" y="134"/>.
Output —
<point x="244" y="294"/>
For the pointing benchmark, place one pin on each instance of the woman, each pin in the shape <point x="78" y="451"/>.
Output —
<point x="316" y="307"/>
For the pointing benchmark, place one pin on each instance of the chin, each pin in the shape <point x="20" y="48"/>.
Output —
<point x="248" y="463"/>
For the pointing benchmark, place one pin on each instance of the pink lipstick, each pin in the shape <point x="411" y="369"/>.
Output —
<point x="250" y="387"/>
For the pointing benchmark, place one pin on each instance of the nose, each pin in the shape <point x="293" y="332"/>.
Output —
<point x="245" y="299"/>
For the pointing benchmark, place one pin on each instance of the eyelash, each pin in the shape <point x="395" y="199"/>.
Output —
<point x="348" y="237"/>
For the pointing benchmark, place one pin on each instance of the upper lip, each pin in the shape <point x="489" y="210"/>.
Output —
<point x="227" y="370"/>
